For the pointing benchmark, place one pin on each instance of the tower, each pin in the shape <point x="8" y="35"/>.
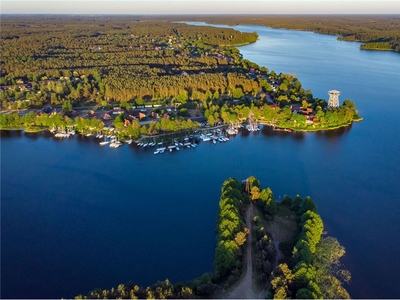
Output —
<point x="333" y="99"/>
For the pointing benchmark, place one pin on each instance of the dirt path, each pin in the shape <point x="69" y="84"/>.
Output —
<point x="282" y="229"/>
<point x="244" y="288"/>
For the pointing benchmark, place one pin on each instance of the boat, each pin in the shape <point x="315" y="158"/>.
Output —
<point x="193" y="145"/>
<point x="157" y="151"/>
<point x="129" y="141"/>
<point x="145" y="145"/>
<point x="214" y="141"/>
<point x="115" y="144"/>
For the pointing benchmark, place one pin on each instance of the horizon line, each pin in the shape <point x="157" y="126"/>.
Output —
<point x="201" y="14"/>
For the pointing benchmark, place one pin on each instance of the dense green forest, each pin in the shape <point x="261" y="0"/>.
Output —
<point x="72" y="61"/>
<point x="363" y="28"/>
<point x="311" y="268"/>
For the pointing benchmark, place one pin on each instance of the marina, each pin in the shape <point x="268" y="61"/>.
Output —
<point x="167" y="142"/>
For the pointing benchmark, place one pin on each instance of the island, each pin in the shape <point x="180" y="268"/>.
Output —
<point x="146" y="80"/>
<point x="264" y="249"/>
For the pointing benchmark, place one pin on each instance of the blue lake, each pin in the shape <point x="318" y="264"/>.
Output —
<point x="76" y="216"/>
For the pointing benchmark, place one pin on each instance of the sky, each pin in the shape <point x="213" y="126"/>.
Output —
<point x="200" y="7"/>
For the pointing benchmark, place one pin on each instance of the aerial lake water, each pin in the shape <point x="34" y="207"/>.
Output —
<point x="76" y="216"/>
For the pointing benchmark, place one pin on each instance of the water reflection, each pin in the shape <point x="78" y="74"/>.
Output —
<point x="333" y="134"/>
<point x="6" y="134"/>
<point x="270" y="132"/>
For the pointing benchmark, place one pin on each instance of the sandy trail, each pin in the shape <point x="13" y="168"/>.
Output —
<point x="244" y="289"/>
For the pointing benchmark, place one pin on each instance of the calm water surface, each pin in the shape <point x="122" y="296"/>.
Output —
<point x="76" y="216"/>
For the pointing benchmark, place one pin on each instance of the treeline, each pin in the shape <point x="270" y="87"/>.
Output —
<point x="231" y="233"/>
<point x="33" y="122"/>
<point x="363" y="28"/>
<point x="313" y="269"/>
<point x="376" y="46"/>
<point x="285" y="117"/>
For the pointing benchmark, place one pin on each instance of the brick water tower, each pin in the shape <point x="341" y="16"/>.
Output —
<point x="333" y="99"/>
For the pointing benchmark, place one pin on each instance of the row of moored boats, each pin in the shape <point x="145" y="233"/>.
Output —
<point x="213" y="138"/>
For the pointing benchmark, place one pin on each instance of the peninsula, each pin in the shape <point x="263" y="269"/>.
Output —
<point x="264" y="249"/>
<point x="146" y="78"/>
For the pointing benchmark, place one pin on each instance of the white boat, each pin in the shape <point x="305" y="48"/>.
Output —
<point x="115" y="144"/>
<point x="89" y="134"/>
<point x="193" y="145"/>
<point x="214" y="141"/>
<point x="104" y="143"/>
<point x="145" y="145"/>
<point x="157" y="151"/>
<point x="177" y="148"/>
<point x="129" y="141"/>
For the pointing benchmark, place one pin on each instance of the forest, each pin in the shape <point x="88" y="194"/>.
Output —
<point x="54" y="61"/>
<point x="50" y="60"/>
<point x="310" y="269"/>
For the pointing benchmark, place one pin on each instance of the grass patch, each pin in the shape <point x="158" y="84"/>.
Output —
<point x="34" y="129"/>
